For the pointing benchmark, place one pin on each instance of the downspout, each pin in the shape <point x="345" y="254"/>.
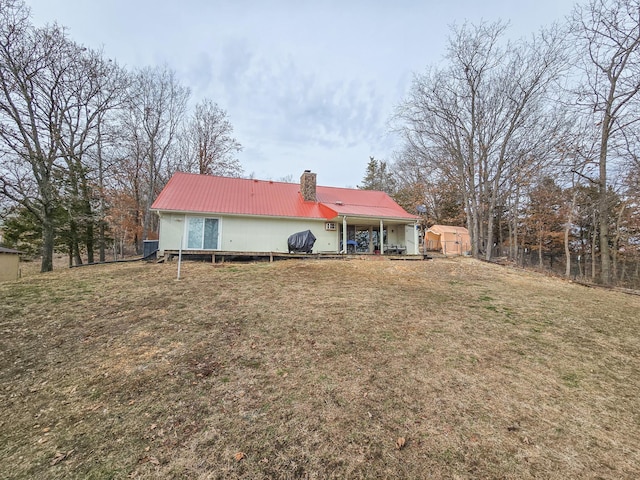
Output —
<point x="344" y="234"/>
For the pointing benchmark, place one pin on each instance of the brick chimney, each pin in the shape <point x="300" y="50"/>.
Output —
<point x="308" y="186"/>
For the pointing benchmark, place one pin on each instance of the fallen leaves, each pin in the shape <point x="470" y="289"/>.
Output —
<point x="60" y="456"/>
<point x="347" y="397"/>
<point x="149" y="459"/>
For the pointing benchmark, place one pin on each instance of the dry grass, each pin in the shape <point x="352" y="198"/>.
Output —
<point x="316" y="369"/>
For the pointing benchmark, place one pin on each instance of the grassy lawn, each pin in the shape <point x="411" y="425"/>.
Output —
<point x="317" y="369"/>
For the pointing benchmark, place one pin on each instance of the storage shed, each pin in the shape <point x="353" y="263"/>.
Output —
<point x="448" y="240"/>
<point x="9" y="264"/>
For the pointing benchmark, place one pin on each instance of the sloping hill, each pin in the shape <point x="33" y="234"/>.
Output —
<point x="317" y="369"/>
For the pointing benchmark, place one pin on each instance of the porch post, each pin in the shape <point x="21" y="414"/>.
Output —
<point x="416" y="246"/>
<point x="381" y="238"/>
<point x="345" y="249"/>
<point x="370" y="239"/>
<point x="184" y="227"/>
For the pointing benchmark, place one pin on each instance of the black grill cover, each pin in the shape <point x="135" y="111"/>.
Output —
<point x="301" y="242"/>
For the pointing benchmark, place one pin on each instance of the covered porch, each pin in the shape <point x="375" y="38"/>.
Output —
<point x="381" y="236"/>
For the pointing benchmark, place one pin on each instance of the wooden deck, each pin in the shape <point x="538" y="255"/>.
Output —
<point x="226" y="256"/>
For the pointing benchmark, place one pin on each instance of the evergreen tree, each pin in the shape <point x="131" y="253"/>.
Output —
<point x="378" y="177"/>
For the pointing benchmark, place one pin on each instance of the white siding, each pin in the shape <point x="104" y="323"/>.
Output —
<point x="400" y="235"/>
<point x="393" y="234"/>
<point x="171" y="230"/>
<point x="250" y="234"/>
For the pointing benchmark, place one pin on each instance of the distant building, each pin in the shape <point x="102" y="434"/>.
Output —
<point x="9" y="264"/>
<point x="448" y="240"/>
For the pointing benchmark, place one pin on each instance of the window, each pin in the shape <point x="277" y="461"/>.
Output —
<point x="202" y="233"/>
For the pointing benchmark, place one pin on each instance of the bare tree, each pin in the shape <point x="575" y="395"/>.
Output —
<point x="27" y="121"/>
<point x="41" y="78"/>
<point x="151" y="124"/>
<point x="607" y="33"/>
<point x="208" y="147"/>
<point x="484" y="118"/>
<point x="106" y="164"/>
<point x="53" y="93"/>
<point x="98" y="88"/>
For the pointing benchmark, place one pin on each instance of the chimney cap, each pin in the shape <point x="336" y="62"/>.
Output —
<point x="307" y="171"/>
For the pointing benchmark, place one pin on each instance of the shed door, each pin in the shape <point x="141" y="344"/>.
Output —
<point x="410" y="239"/>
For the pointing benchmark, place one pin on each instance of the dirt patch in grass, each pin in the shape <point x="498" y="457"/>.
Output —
<point x="316" y="369"/>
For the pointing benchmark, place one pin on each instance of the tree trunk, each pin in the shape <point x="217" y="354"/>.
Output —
<point x="616" y="241"/>
<point x="603" y="200"/>
<point x="89" y="242"/>
<point x="101" y="213"/>
<point x="567" y="252"/>
<point x="513" y="224"/>
<point x="76" y="253"/>
<point x="87" y="216"/>
<point x="500" y="235"/>
<point x="540" y="250"/>
<point x="48" y="236"/>
<point x="102" y="241"/>
<point x="603" y="212"/>
<point x="567" y="227"/>
<point x="489" y="241"/>
<point x="136" y="240"/>
<point x="476" y="235"/>
<point x="582" y="258"/>
<point x="593" y="250"/>
<point x="580" y="269"/>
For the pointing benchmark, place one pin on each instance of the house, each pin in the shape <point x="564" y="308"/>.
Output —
<point x="9" y="264"/>
<point x="448" y="240"/>
<point x="207" y="214"/>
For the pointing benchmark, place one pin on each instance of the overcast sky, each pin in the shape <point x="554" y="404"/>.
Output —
<point x="306" y="85"/>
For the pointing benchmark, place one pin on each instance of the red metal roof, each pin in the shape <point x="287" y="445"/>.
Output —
<point x="361" y="203"/>
<point x="188" y="192"/>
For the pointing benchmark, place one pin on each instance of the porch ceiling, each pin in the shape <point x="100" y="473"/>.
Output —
<point x="372" y="221"/>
